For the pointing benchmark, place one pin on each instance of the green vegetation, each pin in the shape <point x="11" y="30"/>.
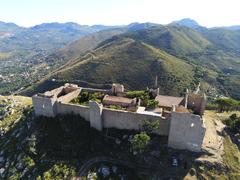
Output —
<point x="231" y="160"/>
<point x="136" y="94"/>
<point x="140" y="142"/>
<point x="30" y="59"/>
<point x="58" y="172"/>
<point x="85" y="97"/>
<point x="180" y="56"/>
<point x="116" y="107"/>
<point x="145" y="97"/>
<point x="149" y="126"/>
<point x="227" y="104"/>
<point x="233" y="122"/>
<point x="52" y="148"/>
<point x="108" y="62"/>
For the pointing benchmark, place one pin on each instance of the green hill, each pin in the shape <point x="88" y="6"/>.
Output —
<point x="203" y="49"/>
<point x="81" y="46"/>
<point x="176" y="40"/>
<point x="127" y="61"/>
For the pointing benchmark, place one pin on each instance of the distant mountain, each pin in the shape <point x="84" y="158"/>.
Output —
<point x="100" y="27"/>
<point x="81" y="46"/>
<point x="9" y="26"/>
<point x="232" y="27"/>
<point x="176" y="40"/>
<point x="214" y="59"/>
<point x="91" y="41"/>
<point x="24" y="51"/>
<point x="212" y="53"/>
<point x="47" y="36"/>
<point x="186" y="22"/>
<point x="71" y="27"/>
<point x="139" y="26"/>
<point x="8" y="29"/>
<point x="224" y="39"/>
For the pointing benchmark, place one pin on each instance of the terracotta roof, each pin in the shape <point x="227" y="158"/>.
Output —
<point x="168" y="101"/>
<point x="117" y="99"/>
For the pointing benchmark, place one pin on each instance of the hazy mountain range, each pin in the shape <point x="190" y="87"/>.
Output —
<point x="181" y="54"/>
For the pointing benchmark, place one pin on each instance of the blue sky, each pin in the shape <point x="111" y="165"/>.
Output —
<point x="117" y="12"/>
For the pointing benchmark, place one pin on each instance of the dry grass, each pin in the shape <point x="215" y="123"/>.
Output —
<point x="4" y="55"/>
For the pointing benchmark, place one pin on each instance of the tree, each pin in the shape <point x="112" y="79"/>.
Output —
<point x="152" y="104"/>
<point x="226" y="104"/>
<point x="233" y="122"/>
<point x="140" y="142"/>
<point x="149" y="126"/>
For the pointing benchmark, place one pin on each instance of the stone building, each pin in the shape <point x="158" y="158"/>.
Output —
<point x="185" y="130"/>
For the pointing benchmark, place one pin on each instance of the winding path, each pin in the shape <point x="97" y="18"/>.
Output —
<point x="90" y="162"/>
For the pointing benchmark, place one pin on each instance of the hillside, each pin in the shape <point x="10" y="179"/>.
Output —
<point x="127" y="61"/>
<point x="81" y="46"/>
<point x="213" y="53"/>
<point x="46" y="36"/>
<point x="176" y="40"/>
<point x="26" y="53"/>
<point x="189" y="45"/>
<point x="57" y="148"/>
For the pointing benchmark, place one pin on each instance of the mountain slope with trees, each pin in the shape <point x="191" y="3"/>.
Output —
<point x="127" y="61"/>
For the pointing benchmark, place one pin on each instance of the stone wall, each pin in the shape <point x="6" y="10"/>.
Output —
<point x="105" y="91"/>
<point x="131" y="120"/>
<point x="70" y="96"/>
<point x="95" y="113"/>
<point x="44" y="106"/>
<point x="186" y="131"/>
<point x="109" y="118"/>
<point x="54" y="92"/>
<point x="196" y="102"/>
<point x="65" y="108"/>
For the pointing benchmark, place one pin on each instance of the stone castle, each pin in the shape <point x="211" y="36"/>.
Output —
<point x="180" y="117"/>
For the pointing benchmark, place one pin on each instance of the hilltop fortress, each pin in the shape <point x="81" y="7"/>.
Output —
<point x="180" y="117"/>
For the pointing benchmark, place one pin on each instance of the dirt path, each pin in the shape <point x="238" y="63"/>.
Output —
<point x="213" y="140"/>
<point x="90" y="162"/>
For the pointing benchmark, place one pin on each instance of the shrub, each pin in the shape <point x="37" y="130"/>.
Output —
<point x="233" y="122"/>
<point x="152" y="104"/>
<point x="140" y="142"/>
<point x="149" y="126"/>
<point x="136" y="94"/>
<point x="227" y="104"/>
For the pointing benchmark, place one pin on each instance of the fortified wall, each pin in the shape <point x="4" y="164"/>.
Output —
<point x="184" y="130"/>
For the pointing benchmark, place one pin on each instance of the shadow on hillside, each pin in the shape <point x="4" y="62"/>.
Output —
<point x="70" y="139"/>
